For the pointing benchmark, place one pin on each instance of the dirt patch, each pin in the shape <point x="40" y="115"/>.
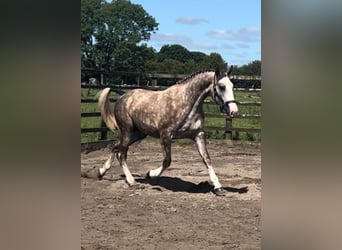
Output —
<point x="177" y="210"/>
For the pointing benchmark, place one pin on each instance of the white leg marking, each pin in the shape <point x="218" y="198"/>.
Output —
<point x="106" y="166"/>
<point x="200" y="143"/>
<point x="129" y="177"/>
<point x="156" y="172"/>
<point x="213" y="178"/>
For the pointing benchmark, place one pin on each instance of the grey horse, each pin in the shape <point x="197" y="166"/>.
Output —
<point x="173" y="113"/>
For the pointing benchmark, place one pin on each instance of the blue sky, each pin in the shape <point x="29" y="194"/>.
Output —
<point x="230" y="28"/>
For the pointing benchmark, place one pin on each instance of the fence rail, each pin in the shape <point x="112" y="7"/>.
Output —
<point x="209" y="115"/>
<point x="155" y="75"/>
<point x="133" y="86"/>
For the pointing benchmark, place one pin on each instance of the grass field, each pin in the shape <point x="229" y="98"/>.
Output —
<point x="95" y="122"/>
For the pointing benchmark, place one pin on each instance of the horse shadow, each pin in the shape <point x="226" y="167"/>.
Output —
<point x="176" y="184"/>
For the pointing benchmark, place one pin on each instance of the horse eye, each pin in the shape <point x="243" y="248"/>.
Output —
<point x="222" y="87"/>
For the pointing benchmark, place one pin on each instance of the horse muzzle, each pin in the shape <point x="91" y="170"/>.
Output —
<point x="230" y="108"/>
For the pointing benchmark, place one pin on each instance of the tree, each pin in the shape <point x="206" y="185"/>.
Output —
<point x="197" y="56"/>
<point x="172" y="66"/>
<point x="255" y="68"/>
<point x="175" y="52"/>
<point x="90" y="10"/>
<point x="132" y="58"/>
<point x="112" y="31"/>
<point x="251" y="69"/>
<point x="213" y="61"/>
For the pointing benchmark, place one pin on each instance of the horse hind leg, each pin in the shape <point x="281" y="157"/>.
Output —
<point x="107" y="165"/>
<point x="120" y="151"/>
<point x="121" y="155"/>
<point x="122" y="158"/>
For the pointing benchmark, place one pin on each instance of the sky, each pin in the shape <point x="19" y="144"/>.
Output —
<point x="231" y="28"/>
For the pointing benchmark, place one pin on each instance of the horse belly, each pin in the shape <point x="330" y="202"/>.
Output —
<point x="150" y="131"/>
<point x="148" y="126"/>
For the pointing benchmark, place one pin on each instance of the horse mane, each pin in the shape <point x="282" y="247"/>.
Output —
<point x="193" y="75"/>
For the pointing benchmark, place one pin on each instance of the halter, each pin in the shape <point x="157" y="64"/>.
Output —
<point x="223" y="105"/>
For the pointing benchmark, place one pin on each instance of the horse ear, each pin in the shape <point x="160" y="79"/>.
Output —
<point x="229" y="72"/>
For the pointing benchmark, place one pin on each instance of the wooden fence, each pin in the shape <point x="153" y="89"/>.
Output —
<point x="102" y="76"/>
<point x="228" y="129"/>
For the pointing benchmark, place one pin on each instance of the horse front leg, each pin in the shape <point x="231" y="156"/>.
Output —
<point x="202" y="149"/>
<point x="166" y="145"/>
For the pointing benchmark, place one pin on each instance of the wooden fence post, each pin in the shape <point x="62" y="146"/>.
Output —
<point x="154" y="82"/>
<point x="229" y="129"/>
<point x="103" y="135"/>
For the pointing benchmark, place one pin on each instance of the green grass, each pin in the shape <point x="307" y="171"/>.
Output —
<point x="236" y="122"/>
<point x="92" y="122"/>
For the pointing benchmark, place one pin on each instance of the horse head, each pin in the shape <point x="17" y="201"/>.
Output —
<point x="222" y="92"/>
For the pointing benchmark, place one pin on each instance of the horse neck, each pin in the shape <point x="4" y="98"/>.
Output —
<point x="199" y="87"/>
<point x="192" y="93"/>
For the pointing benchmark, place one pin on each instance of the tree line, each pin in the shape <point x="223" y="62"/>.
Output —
<point x="114" y="36"/>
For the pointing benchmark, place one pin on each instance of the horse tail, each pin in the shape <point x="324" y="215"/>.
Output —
<point x="106" y="112"/>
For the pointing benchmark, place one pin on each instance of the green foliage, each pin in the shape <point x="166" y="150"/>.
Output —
<point x="172" y="66"/>
<point x="213" y="61"/>
<point x="175" y="59"/>
<point x="251" y="69"/>
<point x="175" y="52"/>
<point x="90" y="10"/>
<point x="211" y="108"/>
<point x="111" y="33"/>
<point x="197" y="56"/>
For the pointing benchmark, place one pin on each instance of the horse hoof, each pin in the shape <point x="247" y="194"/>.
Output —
<point x="220" y="191"/>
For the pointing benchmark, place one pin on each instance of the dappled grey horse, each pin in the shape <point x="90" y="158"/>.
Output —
<point x="174" y="113"/>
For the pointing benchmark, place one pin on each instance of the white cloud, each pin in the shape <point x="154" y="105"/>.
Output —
<point x="242" y="45"/>
<point x="240" y="55"/>
<point x="243" y="34"/>
<point x="204" y="46"/>
<point x="227" y="46"/>
<point x="191" y="21"/>
<point x="170" y="38"/>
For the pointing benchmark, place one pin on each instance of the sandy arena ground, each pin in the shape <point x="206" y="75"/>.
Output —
<point x="177" y="210"/>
